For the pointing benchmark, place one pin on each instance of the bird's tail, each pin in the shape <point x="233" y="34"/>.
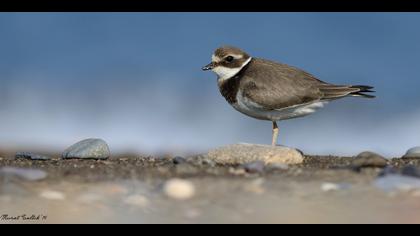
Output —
<point x="363" y="89"/>
<point x="331" y="91"/>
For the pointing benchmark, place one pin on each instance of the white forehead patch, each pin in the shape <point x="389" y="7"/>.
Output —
<point x="225" y="73"/>
<point x="214" y="58"/>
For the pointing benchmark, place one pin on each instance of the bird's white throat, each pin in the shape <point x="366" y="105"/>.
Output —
<point x="225" y="73"/>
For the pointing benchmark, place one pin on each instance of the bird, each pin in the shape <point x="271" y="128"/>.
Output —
<point x="273" y="91"/>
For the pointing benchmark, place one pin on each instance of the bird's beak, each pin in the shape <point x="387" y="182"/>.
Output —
<point x="210" y="66"/>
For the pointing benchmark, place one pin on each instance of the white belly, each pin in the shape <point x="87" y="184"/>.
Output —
<point x="252" y="109"/>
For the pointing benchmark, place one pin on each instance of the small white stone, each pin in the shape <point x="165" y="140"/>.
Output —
<point x="179" y="189"/>
<point x="255" y="186"/>
<point x="137" y="200"/>
<point x="326" y="187"/>
<point x="53" y="195"/>
<point x="236" y="171"/>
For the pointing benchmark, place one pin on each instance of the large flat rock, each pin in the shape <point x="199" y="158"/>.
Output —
<point x="245" y="153"/>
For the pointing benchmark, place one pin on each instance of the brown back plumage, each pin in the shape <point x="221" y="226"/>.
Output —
<point x="276" y="86"/>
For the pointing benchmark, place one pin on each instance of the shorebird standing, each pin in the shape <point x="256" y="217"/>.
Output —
<point x="268" y="90"/>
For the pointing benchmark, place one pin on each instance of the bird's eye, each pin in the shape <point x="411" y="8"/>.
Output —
<point x="229" y="58"/>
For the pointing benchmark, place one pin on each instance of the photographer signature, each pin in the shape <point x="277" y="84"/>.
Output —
<point x="23" y="217"/>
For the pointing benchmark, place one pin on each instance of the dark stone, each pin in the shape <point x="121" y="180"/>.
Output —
<point x="31" y="156"/>
<point x="179" y="160"/>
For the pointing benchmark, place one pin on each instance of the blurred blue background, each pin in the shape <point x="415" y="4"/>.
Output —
<point x="134" y="79"/>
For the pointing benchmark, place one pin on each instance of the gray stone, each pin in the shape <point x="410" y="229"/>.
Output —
<point x="413" y="153"/>
<point x="25" y="174"/>
<point x="388" y="170"/>
<point x="88" y="149"/>
<point x="254" y="167"/>
<point x="31" y="156"/>
<point x="410" y="170"/>
<point x="397" y="182"/>
<point x="246" y="153"/>
<point x="369" y="159"/>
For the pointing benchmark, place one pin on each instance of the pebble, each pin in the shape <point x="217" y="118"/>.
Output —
<point x="388" y="170"/>
<point x="24" y="173"/>
<point x="254" y="167"/>
<point x="327" y="187"/>
<point x="410" y="170"/>
<point x="53" y="195"/>
<point x="369" y="159"/>
<point x="246" y="153"/>
<point x="255" y="186"/>
<point x="31" y="156"/>
<point x="412" y="153"/>
<point x="237" y="171"/>
<point x="179" y="160"/>
<point x="201" y="160"/>
<point x="397" y="182"/>
<point x="88" y="149"/>
<point x="179" y="189"/>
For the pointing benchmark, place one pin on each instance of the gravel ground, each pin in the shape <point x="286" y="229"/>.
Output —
<point x="134" y="189"/>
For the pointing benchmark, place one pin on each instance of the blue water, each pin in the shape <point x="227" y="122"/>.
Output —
<point x="134" y="79"/>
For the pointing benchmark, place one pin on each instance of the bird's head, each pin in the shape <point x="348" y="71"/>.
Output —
<point x="227" y="61"/>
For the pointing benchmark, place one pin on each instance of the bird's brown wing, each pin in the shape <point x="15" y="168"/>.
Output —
<point x="276" y="86"/>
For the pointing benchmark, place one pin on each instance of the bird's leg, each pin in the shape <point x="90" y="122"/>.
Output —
<point x="275" y="134"/>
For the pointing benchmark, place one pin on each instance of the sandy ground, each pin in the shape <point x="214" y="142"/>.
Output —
<point x="129" y="189"/>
